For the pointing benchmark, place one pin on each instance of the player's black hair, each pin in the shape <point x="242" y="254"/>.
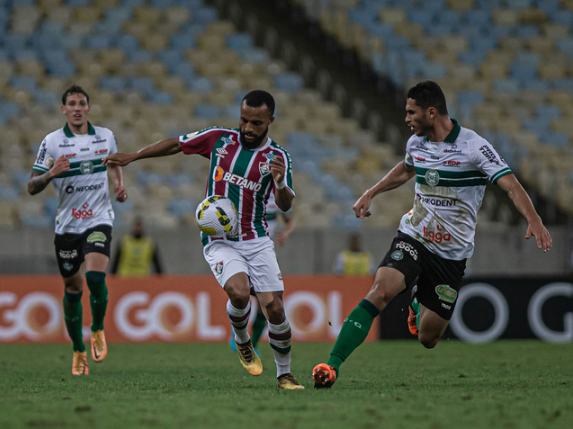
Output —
<point x="74" y="89"/>
<point x="429" y="94"/>
<point x="258" y="97"/>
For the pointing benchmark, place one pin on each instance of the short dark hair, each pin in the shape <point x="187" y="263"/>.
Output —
<point x="429" y="94"/>
<point x="258" y="97"/>
<point x="74" y="89"/>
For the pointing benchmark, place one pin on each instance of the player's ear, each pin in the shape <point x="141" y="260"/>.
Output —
<point x="271" y="120"/>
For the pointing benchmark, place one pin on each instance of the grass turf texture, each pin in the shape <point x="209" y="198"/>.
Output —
<point x="388" y="384"/>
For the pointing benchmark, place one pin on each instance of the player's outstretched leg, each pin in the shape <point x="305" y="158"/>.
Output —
<point x="354" y="331"/>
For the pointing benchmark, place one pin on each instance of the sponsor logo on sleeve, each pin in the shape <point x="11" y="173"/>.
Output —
<point x="489" y="154"/>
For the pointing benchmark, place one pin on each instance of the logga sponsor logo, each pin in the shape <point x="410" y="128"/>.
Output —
<point x="82" y="213"/>
<point x="36" y="316"/>
<point x="437" y="236"/>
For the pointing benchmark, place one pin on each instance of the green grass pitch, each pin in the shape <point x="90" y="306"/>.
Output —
<point x="387" y="384"/>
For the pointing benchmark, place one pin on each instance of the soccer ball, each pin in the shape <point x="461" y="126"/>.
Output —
<point x="217" y="216"/>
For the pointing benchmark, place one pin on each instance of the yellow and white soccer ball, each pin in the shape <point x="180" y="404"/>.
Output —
<point x="217" y="216"/>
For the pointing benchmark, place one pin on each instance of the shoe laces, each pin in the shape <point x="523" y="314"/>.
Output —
<point x="98" y="338"/>
<point x="288" y="378"/>
<point x="246" y="352"/>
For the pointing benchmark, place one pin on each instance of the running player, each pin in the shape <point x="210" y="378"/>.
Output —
<point x="451" y="165"/>
<point x="71" y="158"/>
<point x="245" y="166"/>
<point x="273" y="212"/>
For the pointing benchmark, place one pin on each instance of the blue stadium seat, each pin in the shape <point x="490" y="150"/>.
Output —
<point x="289" y="82"/>
<point x="181" y="206"/>
<point x="23" y="82"/>
<point x="160" y="98"/>
<point x="207" y="111"/>
<point x="112" y="83"/>
<point x="239" y="41"/>
<point x="205" y="14"/>
<point x="180" y="42"/>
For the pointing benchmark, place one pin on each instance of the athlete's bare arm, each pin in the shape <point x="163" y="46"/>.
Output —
<point x="283" y="197"/>
<point x="523" y="204"/>
<point x="165" y="147"/>
<point x="38" y="181"/>
<point x="396" y="177"/>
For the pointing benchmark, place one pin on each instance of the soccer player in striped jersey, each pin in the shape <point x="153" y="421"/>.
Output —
<point x="71" y="159"/>
<point x="246" y="165"/>
<point x="451" y="165"/>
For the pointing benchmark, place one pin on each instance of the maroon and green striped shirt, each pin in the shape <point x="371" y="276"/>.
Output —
<point x="243" y="175"/>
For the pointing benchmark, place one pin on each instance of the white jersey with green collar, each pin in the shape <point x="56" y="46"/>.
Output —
<point x="451" y="177"/>
<point x="83" y="190"/>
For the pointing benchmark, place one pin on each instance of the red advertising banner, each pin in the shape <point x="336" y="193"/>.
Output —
<point x="172" y="309"/>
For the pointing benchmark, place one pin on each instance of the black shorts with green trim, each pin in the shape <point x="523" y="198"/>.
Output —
<point x="72" y="248"/>
<point x="438" y="279"/>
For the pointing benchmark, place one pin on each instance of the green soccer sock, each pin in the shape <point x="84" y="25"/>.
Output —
<point x="259" y="325"/>
<point x="416" y="307"/>
<point x="98" y="298"/>
<point x="73" y="317"/>
<point x="353" y="333"/>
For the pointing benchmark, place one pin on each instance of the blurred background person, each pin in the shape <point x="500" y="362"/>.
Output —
<point x="354" y="261"/>
<point x="137" y="254"/>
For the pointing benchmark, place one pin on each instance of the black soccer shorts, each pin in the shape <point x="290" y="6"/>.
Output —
<point x="72" y="248"/>
<point x="438" y="279"/>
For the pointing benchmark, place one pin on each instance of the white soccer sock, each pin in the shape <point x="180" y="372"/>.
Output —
<point x="239" y="321"/>
<point x="280" y="341"/>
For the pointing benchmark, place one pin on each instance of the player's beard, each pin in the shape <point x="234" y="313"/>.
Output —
<point x="255" y="143"/>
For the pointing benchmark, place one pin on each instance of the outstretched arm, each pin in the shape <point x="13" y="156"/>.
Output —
<point x="165" y="147"/>
<point x="523" y="204"/>
<point x="396" y="177"/>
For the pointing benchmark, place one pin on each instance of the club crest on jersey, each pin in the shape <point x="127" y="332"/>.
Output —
<point x="86" y="167"/>
<point x="264" y="168"/>
<point x="227" y="140"/>
<point x="432" y="177"/>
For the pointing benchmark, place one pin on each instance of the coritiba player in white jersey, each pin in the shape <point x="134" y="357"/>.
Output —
<point x="451" y="166"/>
<point x="71" y="158"/>
<point x="245" y="166"/>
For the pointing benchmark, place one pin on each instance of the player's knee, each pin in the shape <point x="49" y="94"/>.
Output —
<point x="239" y="297"/>
<point x="275" y="311"/>
<point x="379" y="296"/>
<point x="429" y="341"/>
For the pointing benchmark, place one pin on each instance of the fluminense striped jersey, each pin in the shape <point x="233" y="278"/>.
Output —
<point x="240" y="174"/>
<point x="83" y="190"/>
<point x="451" y="177"/>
